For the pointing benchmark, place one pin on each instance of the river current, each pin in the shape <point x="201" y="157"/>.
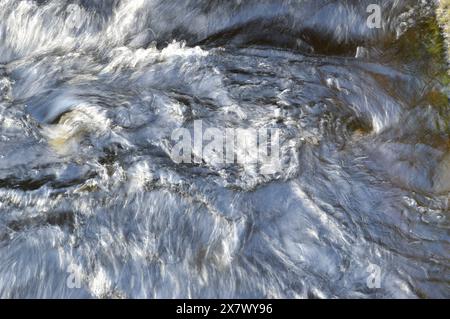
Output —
<point x="93" y="204"/>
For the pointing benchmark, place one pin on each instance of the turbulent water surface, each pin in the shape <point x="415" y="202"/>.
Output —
<point x="91" y="92"/>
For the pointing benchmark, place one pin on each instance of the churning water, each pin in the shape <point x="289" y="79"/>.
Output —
<point x="92" y="203"/>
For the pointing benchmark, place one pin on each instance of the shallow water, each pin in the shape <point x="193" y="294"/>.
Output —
<point x="91" y="92"/>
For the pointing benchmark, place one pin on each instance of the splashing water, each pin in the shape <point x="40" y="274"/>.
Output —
<point x="91" y="91"/>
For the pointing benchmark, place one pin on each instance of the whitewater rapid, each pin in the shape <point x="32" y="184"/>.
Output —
<point x="93" y="204"/>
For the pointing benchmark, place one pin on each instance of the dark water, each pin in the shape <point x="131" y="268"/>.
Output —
<point x="91" y="91"/>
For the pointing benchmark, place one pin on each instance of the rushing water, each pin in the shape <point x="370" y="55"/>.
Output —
<point x="91" y="92"/>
